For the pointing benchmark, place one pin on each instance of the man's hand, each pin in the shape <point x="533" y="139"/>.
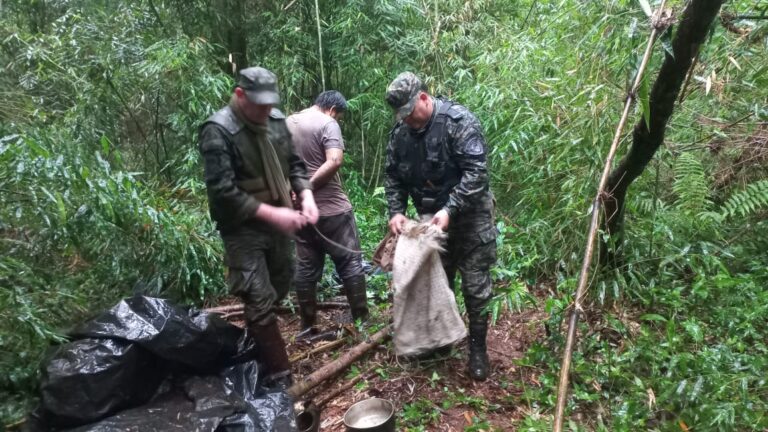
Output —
<point x="397" y="223"/>
<point x="286" y="220"/>
<point x="308" y="206"/>
<point x="441" y="219"/>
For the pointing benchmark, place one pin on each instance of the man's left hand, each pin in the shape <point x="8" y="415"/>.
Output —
<point x="308" y="206"/>
<point x="441" y="219"/>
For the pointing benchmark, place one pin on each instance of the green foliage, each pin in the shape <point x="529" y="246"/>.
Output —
<point x="77" y="236"/>
<point x="691" y="185"/>
<point x="417" y="415"/>
<point x="747" y="201"/>
<point x="101" y="190"/>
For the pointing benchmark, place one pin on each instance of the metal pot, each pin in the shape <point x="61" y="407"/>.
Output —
<point x="370" y="415"/>
<point x="309" y="419"/>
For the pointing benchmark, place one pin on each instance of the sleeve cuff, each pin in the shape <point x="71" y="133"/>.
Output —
<point x="300" y="185"/>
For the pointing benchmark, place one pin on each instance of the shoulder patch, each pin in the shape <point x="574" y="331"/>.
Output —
<point x="277" y="114"/>
<point x="456" y="112"/>
<point x="226" y="119"/>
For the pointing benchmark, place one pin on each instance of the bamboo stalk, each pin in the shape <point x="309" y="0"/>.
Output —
<point x="576" y="309"/>
<point x="336" y="366"/>
<point x="320" y="43"/>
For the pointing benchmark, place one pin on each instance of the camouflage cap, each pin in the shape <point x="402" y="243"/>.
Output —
<point x="260" y="85"/>
<point x="402" y="93"/>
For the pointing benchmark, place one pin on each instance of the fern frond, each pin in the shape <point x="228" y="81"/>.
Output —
<point x="747" y="201"/>
<point x="691" y="185"/>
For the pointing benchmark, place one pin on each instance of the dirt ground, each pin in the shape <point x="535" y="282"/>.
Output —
<point x="433" y="394"/>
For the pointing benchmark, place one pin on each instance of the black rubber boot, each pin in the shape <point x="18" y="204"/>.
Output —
<point x="272" y="355"/>
<point x="357" y="297"/>
<point x="478" y="355"/>
<point x="306" y="293"/>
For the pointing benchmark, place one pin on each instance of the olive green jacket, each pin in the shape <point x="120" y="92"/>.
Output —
<point x="234" y="172"/>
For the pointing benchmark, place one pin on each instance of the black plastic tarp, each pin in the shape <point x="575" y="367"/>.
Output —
<point x="147" y="365"/>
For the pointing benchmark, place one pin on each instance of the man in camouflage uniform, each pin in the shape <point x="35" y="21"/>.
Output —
<point x="250" y="169"/>
<point x="437" y="156"/>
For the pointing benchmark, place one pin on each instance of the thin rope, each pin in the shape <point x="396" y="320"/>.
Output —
<point x="331" y="242"/>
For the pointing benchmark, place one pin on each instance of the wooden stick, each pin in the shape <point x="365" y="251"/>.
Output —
<point x="235" y="309"/>
<point x="225" y="309"/>
<point x="576" y="309"/>
<point x="316" y="350"/>
<point x="332" y="368"/>
<point x="346" y="386"/>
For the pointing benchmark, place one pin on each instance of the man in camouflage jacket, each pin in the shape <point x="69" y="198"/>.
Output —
<point x="437" y="156"/>
<point x="250" y="169"/>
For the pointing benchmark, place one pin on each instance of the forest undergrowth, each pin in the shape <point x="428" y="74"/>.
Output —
<point x="101" y="191"/>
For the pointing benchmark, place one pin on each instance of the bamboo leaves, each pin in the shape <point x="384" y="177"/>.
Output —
<point x="646" y="7"/>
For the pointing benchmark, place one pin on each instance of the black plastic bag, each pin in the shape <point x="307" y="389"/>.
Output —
<point x="231" y="402"/>
<point x="88" y="379"/>
<point x="198" y="404"/>
<point x="193" y="338"/>
<point x="265" y="411"/>
<point x="124" y="354"/>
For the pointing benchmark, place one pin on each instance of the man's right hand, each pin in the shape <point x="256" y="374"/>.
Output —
<point x="287" y="220"/>
<point x="397" y="223"/>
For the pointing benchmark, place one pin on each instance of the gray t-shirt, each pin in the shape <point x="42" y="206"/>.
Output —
<point x="313" y="132"/>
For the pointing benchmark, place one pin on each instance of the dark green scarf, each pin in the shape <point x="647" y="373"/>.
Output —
<point x="274" y="177"/>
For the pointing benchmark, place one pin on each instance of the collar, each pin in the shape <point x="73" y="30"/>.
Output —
<point x="436" y="103"/>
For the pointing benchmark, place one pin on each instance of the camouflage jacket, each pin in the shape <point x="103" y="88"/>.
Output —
<point x="442" y="166"/>
<point x="234" y="172"/>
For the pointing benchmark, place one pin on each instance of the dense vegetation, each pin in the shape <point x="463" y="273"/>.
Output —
<point x="101" y="192"/>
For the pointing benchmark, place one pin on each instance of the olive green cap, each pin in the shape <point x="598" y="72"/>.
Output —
<point x="260" y="85"/>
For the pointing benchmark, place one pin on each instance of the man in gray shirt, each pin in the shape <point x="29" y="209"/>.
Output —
<point x="317" y="138"/>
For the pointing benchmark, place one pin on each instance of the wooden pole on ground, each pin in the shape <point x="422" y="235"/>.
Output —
<point x="336" y="366"/>
<point x="239" y="308"/>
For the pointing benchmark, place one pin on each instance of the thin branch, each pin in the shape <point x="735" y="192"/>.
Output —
<point x="159" y="19"/>
<point x="317" y="350"/>
<point x="751" y="17"/>
<point x="688" y="78"/>
<point x="689" y="146"/>
<point x="288" y="6"/>
<point x="346" y="386"/>
<point x="108" y="77"/>
<point x="581" y="289"/>
<point x="528" y="15"/>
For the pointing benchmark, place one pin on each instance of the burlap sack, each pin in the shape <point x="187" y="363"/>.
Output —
<point x="424" y="311"/>
<point x="385" y="252"/>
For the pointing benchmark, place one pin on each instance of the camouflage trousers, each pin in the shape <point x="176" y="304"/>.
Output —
<point x="311" y="249"/>
<point x="471" y="250"/>
<point x="261" y="267"/>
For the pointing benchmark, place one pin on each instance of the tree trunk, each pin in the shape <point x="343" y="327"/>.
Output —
<point x="237" y="36"/>
<point x="691" y="33"/>
<point x="230" y="32"/>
